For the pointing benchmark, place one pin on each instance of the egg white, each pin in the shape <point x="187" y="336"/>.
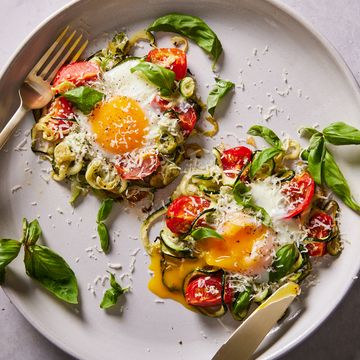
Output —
<point x="120" y="81"/>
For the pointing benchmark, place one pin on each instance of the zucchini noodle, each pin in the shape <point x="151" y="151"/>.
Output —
<point x="145" y="227"/>
<point x="66" y="162"/>
<point x="292" y="149"/>
<point x="180" y="42"/>
<point x="141" y="35"/>
<point x="214" y="131"/>
<point x="102" y="175"/>
<point x="193" y="149"/>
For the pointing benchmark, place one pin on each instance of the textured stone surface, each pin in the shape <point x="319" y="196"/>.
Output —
<point x="337" y="338"/>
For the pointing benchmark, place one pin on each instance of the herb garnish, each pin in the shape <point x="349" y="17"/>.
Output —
<point x="41" y="263"/>
<point x="102" y="229"/>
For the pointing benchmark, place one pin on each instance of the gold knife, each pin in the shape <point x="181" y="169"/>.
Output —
<point x="248" y="336"/>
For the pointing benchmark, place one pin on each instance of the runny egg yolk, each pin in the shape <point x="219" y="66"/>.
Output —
<point x="120" y="125"/>
<point x="245" y="248"/>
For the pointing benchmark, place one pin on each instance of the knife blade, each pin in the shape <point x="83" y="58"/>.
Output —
<point x="247" y="337"/>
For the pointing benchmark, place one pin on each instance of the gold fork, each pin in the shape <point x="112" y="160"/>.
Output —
<point x="35" y="92"/>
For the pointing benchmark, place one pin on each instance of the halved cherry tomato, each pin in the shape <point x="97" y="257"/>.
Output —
<point x="320" y="225"/>
<point x="299" y="192"/>
<point x="77" y="73"/>
<point x="61" y="108"/>
<point x="316" y="248"/>
<point x="187" y="119"/>
<point x="233" y="160"/>
<point x="139" y="169"/>
<point x="183" y="211"/>
<point x="159" y="103"/>
<point x="170" y="58"/>
<point x="206" y="291"/>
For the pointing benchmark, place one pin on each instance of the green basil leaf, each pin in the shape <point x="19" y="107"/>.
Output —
<point x="111" y="295"/>
<point x="265" y="217"/>
<point x="316" y="155"/>
<point x="261" y="158"/>
<point x="336" y="181"/>
<point x="267" y="134"/>
<point x="242" y="194"/>
<point x="158" y="75"/>
<point x="25" y="229"/>
<point x="308" y="132"/>
<point x="340" y="133"/>
<point x="9" y="250"/>
<point x="204" y="233"/>
<point x="285" y="259"/>
<point x="33" y="232"/>
<point x="84" y="98"/>
<point x="242" y="303"/>
<point x="219" y="90"/>
<point x="104" y="237"/>
<point x="193" y="28"/>
<point x="52" y="271"/>
<point x="105" y="209"/>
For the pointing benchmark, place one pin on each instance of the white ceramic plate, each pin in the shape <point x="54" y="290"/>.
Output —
<point x="276" y="56"/>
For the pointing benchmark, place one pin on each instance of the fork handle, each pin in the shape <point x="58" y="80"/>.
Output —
<point x="11" y="125"/>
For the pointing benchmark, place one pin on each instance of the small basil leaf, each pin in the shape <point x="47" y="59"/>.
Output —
<point x="104" y="237"/>
<point x="340" y="133"/>
<point x="261" y="158"/>
<point x="105" y="209"/>
<point x="284" y="261"/>
<point x="52" y="271"/>
<point x="241" y="304"/>
<point x="158" y="75"/>
<point x="193" y="28"/>
<point x="308" y="132"/>
<point x="220" y="89"/>
<point x="33" y="232"/>
<point x="9" y="250"/>
<point x="84" y="98"/>
<point x="242" y="194"/>
<point x="316" y="151"/>
<point x="267" y="134"/>
<point x="25" y="229"/>
<point x="336" y="181"/>
<point x="265" y="217"/>
<point x="204" y="233"/>
<point x="111" y="295"/>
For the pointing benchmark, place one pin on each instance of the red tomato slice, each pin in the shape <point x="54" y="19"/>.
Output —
<point x="320" y="225"/>
<point x="61" y="108"/>
<point x="233" y="160"/>
<point x="77" y="73"/>
<point x="187" y="119"/>
<point x="144" y="166"/>
<point x="206" y="291"/>
<point x="299" y="192"/>
<point x="316" y="248"/>
<point x="183" y="211"/>
<point x="159" y="103"/>
<point x="170" y="58"/>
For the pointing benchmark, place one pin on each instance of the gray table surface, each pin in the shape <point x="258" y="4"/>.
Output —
<point x="338" y="337"/>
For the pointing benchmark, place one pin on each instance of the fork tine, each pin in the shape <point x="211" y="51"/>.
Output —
<point x="57" y="55"/>
<point x="43" y="59"/>
<point x="80" y="51"/>
<point x="62" y="61"/>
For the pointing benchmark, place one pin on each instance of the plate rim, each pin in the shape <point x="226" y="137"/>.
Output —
<point x="338" y="60"/>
